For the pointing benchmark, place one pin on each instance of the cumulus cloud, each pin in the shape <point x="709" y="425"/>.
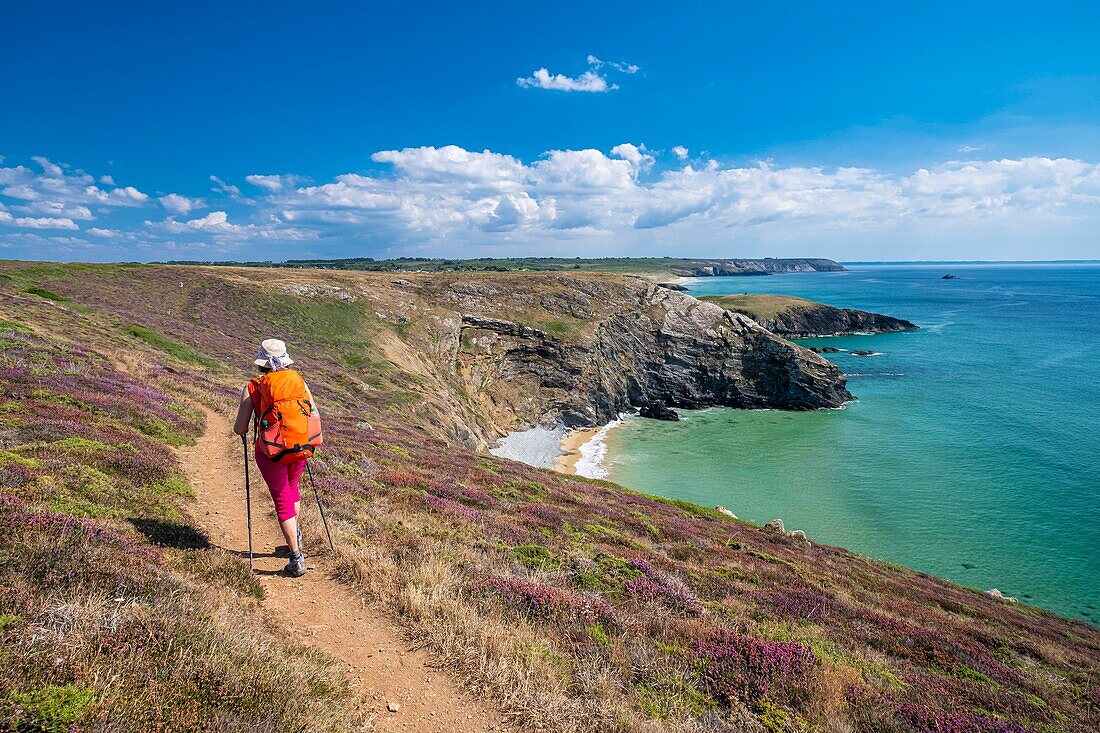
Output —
<point x="589" y="81"/>
<point x="55" y="192"/>
<point x="434" y="194"/>
<point x="680" y="152"/>
<point x="450" y="199"/>
<point x="179" y="204"/>
<point x="273" y="183"/>
<point x="592" y="80"/>
<point x="215" y="221"/>
<point x="40" y="222"/>
<point x="640" y="160"/>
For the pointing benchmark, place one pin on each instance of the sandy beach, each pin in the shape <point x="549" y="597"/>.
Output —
<point x="570" y="447"/>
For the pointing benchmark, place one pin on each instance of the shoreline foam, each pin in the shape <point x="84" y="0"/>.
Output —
<point x="592" y="451"/>
<point x="570" y="448"/>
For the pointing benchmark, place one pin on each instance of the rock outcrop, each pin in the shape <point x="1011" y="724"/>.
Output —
<point x="642" y="347"/>
<point x="798" y="318"/>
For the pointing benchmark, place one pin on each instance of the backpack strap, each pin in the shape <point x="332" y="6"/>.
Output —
<point x="256" y="392"/>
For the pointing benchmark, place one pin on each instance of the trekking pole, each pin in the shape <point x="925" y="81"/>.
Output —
<point x="247" y="499"/>
<point x="320" y="508"/>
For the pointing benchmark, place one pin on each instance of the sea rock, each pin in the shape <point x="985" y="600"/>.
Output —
<point x="725" y="511"/>
<point x="825" y="349"/>
<point x="861" y="352"/>
<point x="776" y="525"/>
<point x="949" y="276"/>
<point x="658" y="411"/>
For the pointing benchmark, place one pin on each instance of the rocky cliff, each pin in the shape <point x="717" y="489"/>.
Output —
<point x="641" y="346"/>
<point x="798" y="318"/>
<point x="766" y="266"/>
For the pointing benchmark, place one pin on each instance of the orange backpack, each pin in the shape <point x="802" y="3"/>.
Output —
<point x="288" y="427"/>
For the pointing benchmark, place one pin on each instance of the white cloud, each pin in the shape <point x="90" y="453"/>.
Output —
<point x="592" y="80"/>
<point x="454" y="164"/>
<point x="680" y="152"/>
<point x="273" y="183"/>
<point x="58" y="193"/>
<point x="617" y="66"/>
<point x="589" y="81"/>
<point x="41" y="222"/>
<point x="438" y="194"/>
<point x="228" y="189"/>
<point x="640" y="160"/>
<point x="215" y="221"/>
<point x="178" y="204"/>
<point x="51" y="169"/>
<point x="450" y="200"/>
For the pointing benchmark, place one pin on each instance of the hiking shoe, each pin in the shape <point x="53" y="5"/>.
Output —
<point x="296" y="568"/>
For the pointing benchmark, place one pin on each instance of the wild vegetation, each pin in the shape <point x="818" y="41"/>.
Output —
<point x="577" y="605"/>
<point x="757" y="306"/>
<point x="116" y="613"/>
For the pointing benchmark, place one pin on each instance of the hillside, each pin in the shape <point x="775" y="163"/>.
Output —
<point x="655" y="267"/>
<point x="792" y="317"/>
<point x="575" y="605"/>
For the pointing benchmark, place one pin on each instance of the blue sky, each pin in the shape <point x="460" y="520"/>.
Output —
<point x="853" y="131"/>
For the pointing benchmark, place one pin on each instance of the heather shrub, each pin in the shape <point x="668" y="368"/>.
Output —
<point x="541" y="602"/>
<point x="115" y="614"/>
<point x="740" y="667"/>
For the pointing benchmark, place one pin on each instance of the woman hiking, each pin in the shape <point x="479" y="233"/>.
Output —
<point x="279" y="405"/>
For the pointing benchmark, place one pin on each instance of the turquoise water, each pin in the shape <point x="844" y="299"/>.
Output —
<point x="970" y="454"/>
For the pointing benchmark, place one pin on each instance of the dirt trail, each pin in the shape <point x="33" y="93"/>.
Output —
<point x="319" y="610"/>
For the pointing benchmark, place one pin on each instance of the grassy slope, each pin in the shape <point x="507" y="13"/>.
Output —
<point x="583" y="606"/>
<point x="115" y="612"/>
<point x="759" y="307"/>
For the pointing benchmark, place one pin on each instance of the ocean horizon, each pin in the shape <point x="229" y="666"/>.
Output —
<point x="968" y="452"/>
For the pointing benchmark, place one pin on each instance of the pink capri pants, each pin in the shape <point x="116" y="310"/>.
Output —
<point x="282" y="482"/>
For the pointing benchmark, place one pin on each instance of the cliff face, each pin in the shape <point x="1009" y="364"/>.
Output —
<point x="768" y="266"/>
<point x="797" y="318"/>
<point x="644" y="346"/>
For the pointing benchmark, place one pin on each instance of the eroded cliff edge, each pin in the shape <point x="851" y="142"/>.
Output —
<point x="624" y="344"/>
<point x="792" y="317"/>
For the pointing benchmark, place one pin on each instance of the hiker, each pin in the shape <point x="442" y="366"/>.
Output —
<point x="279" y="405"/>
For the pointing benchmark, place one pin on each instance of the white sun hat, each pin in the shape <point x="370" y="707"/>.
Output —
<point x="272" y="354"/>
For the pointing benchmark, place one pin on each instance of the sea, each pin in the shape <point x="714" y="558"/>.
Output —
<point x="971" y="452"/>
